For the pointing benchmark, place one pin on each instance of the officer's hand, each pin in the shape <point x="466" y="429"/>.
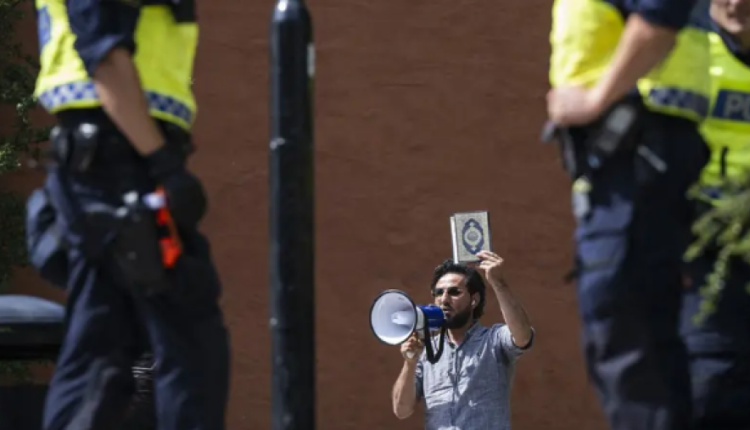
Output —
<point x="186" y="198"/>
<point x="185" y="195"/>
<point x="412" y="349"/>
<point x="573" y="105"/>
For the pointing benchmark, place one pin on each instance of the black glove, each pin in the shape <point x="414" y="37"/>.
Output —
<point x="186" y="198"/>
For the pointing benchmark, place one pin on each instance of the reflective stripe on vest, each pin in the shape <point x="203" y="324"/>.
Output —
<point x="164" y="58"/>
<point x="585" y="35"/>
<point x="665" y="99"/>
<point x="83" y="94"/>
<point x="727" y="128"/>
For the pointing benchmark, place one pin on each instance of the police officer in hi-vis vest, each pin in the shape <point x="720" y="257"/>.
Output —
<point x="630" y="85"/>
<point x="719" y="346"/>
<point x="116" y="222"/>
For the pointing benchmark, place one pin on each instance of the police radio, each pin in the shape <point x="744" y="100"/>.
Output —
<point x="616" y="131"/>
<point x="613" y="133"/>
<point x="616" y="127"/>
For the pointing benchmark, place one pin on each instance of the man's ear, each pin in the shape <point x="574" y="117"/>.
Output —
<point x="475" y="300"/>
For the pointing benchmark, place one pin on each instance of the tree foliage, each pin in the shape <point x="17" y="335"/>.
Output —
<point x="17" y="76"/>
<point x="723" y="231"/>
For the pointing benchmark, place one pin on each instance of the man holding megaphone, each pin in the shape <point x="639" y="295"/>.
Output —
<point x="468" y="386"/>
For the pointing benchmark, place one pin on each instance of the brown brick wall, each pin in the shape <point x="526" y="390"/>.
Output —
<point x="422" y="109"/>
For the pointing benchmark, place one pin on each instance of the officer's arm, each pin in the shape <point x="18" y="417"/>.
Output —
<point x="105" y="42"/>
<point x="648" y="38"/>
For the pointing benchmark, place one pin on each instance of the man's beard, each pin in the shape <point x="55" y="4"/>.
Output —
<point x="458" y="320"/>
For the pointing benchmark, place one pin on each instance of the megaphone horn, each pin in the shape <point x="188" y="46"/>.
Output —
<point x="394" y="317"/>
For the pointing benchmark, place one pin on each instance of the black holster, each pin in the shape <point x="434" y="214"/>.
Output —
<point x="49" y="218"/>
<point x="589" y="148"/>
<point x="74" y="149"/>
<point x="127" y="233"/>
<point x="137" y="252"/>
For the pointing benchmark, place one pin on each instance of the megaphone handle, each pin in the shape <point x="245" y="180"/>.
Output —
<point x="409" y="354"/>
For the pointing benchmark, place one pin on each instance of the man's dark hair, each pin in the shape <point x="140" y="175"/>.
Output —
<point x="474" y="282"/>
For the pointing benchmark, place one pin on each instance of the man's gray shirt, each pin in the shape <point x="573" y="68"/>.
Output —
<point x="469" y="387"/>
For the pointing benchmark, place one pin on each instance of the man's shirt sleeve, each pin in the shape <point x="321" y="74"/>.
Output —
<point x="503" y="342"/>
<point x="101" y="26"/>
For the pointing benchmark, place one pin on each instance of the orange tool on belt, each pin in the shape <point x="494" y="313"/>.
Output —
<point x="171" y="246"/>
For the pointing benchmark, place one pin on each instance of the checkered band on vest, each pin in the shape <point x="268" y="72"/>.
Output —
<point x="62" y="95"/>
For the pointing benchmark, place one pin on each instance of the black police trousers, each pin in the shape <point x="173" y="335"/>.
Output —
<point x="633" y="227"/>
<point x="107" y="322"/>
<point x="719" y="347"/>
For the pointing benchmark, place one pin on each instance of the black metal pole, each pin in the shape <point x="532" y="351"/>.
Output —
<point x="291" y="218"/>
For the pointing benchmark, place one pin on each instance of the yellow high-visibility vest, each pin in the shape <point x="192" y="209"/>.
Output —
<point x="727" y="127"/>
<point x="584" y="36"/>
<point x="164" y="58"/>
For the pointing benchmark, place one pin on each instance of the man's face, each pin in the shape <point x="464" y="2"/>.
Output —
<point x="454" y="299"/>
<point x="732" y="15"/>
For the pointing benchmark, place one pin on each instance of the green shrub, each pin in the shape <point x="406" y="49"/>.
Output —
<point x="17" y="76"/>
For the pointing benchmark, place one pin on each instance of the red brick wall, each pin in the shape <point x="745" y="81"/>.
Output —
<point x="423" y="109"/>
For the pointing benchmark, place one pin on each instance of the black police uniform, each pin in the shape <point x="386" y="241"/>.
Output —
<point x="83" y="234"/>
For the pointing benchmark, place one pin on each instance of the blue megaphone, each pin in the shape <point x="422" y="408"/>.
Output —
<point x="394" y="317"/>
